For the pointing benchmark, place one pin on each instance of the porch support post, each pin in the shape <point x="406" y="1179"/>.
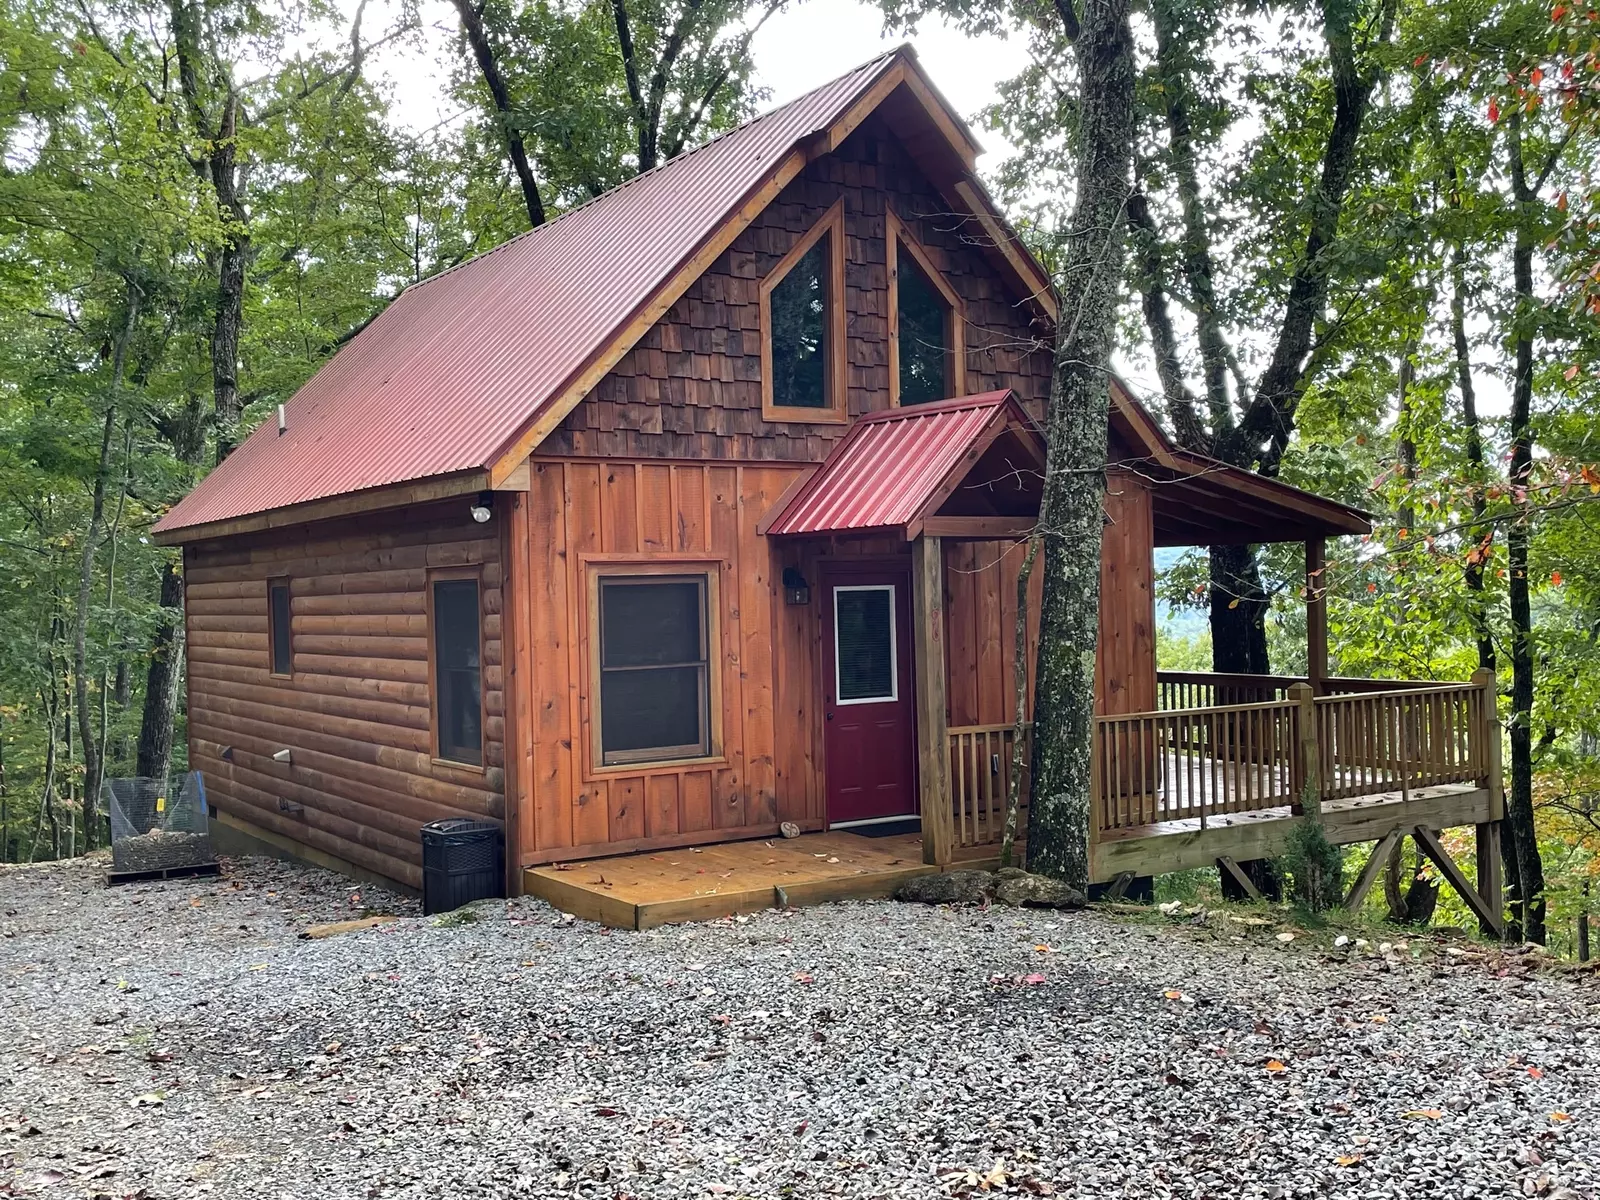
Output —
<point x="1491" y="867"/>
<point x="933" y="738"/>
<point x="1316" y="613"/>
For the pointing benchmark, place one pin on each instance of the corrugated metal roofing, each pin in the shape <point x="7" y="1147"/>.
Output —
<point x="883" y="472"/>
<point x="448" y="374"/>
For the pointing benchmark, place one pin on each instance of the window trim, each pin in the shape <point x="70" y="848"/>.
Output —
<point x="608" y="566"/>
<point x="835" y="375"/>
<point x="274" y="581"/>
<point x="894" y="643"/>
<point x="898" y="235"/>
<point x="442" y="575"/>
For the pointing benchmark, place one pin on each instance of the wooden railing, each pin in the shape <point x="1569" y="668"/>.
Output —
<point x="1363" y="737"/>
<point x="1196" y="762"/>
<point x="1397" y="740"/>
<point x="980" y="782"/>
<point x="1177" y="690"/>
<point x="1270" y="753"/>
<point x="1181" y="690"/>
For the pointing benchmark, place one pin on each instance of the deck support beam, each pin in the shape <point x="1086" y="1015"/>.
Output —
<point x="933" y="737"/>
<point x="1428" y="841"/>
<point x="1234" y="871"/>
<point x="1369" y="873"/>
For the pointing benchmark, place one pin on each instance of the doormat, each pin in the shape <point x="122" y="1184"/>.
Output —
<point x="887" y="828"/>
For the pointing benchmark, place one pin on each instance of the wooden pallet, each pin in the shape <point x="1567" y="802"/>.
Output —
<point x="115" y="877"/>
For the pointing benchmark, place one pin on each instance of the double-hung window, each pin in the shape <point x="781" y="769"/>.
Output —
<point x="655" y="684"/>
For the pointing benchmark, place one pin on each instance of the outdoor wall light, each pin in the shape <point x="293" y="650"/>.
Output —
<point x="484" y="508"/>
<point x="795" y="588"/>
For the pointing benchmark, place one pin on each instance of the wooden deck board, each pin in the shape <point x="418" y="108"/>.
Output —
<point x="640" y="891"/>
<point x="1183" y="845"/>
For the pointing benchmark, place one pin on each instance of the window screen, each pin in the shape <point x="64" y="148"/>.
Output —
<point x="457" y="678"/>
<point x="799" y="314"/>
<point x="278" y="627"/>
<point x="924" y="325"/>
<point x="863" y="643"/>
<point x="653" y="668"/>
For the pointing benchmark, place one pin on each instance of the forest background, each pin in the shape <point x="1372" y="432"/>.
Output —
<point x="201" y="200"/>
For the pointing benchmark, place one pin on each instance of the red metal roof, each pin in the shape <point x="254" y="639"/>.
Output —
<point x="447" y="376"/>
<point x="887" y="468"/>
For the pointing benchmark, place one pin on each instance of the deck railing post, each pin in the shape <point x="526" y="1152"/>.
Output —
<point x="1307" y="775"/>
<point x="1488" y="733"/>
<point x="933" y="723"/>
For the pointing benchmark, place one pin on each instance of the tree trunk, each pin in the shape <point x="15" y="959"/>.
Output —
<point x="154" y="756"/>
<point x="80" y="638"/>
<point x="1019" y="687"/>
<point x="1071" y="518"/>
<point x="1474" y="447"/>
<point x="1238" y="612"/>
<point x="1519" y="803"/>
<point x="489" y="67"/>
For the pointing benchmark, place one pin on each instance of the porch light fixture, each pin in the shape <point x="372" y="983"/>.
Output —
<point x="795" y="588"/>
<point x="484" y="508"/>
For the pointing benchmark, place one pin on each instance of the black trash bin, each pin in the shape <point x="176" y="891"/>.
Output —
<point x="462" y="861"/>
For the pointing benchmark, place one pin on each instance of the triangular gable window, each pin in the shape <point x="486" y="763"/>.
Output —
<point x="802" y="327"/>
<point x="927" y="361"/>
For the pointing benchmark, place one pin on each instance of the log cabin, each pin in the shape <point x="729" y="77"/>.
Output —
<point x="698" y="512"/>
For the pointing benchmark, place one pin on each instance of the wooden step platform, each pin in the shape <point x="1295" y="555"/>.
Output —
<point x="706" y="883"/>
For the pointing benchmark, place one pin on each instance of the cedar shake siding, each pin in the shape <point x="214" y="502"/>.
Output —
<point x="691" y="387"/>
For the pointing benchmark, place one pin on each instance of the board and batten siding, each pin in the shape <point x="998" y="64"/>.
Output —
<point x="587" y="517"/>
<point x="355" y="714"/>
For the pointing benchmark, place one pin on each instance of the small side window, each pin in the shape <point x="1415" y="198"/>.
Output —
<point x="457" y="673"/>
<point x="279" y="639"/>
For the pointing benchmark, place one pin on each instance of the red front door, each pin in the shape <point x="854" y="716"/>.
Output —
<point x="870" y="738"/>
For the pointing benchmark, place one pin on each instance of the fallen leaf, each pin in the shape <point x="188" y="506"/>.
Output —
<point x="1535" y="1073"/>
<point x="1033" y="979"/>
<point x="1348" y="1160"/>
<point x="1274" y="1067"/>
<point x="1423" y="1114"/>
<point x="1558" y="1117"/>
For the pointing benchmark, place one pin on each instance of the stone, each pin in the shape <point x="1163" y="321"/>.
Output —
<point x="948" y="887"/>
<point x="1038" y="891"/>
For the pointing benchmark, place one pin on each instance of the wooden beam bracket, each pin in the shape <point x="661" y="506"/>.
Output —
<point x="1369" y="873"/>
<point x="1430" y="844"/>
<point x="1232" y="869"/>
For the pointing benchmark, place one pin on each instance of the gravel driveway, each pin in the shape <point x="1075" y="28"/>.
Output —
<point x="179" y="1039"/>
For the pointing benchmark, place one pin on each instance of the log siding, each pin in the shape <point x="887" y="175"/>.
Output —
<point x="355" y="714"/>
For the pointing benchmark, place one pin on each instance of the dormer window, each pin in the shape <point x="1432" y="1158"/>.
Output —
<point x="802" y="328"/>
<point x="926" y="357"/>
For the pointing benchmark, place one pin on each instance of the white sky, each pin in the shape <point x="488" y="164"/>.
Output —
<point x="798" y="49"/>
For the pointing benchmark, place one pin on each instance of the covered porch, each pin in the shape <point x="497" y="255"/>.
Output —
<point x="1190" y="768"/>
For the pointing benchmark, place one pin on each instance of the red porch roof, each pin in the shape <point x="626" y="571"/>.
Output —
<point x="894" y="467"/>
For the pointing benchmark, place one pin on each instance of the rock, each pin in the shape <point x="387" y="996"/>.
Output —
<point x="1037" y="891"/>
<point x="789" y="829"/>
<point x="948" y="887"/>
<point x="1010" y="873"/>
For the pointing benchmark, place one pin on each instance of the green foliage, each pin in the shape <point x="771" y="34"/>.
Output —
<point x="1315" y="866"/>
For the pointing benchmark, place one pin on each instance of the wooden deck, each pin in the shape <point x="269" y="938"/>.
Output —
<point x="1187" y="843"/>
<point x="704" y="883"/>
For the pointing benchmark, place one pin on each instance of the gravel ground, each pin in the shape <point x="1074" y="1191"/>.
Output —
<point x="179" y="1039"/>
